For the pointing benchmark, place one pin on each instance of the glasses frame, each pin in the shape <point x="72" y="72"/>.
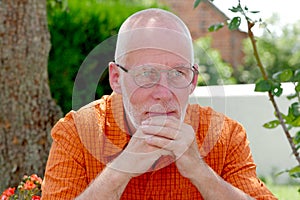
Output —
<point x="193" y="68"/>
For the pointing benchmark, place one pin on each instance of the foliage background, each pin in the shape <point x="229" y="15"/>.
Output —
<point x="278" y="47"/>
<point x="81" y="25"/>
<point x="76" y="29"/>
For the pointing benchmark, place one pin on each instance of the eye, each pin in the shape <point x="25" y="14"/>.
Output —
<point x="146" y="73"/>
<point x="178" y="72"/>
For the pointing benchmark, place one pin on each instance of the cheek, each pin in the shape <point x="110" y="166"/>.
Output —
<point x="132" y="92"/>
<point x="138" y="97"/>
<point x="183" y="96"/>
<point x="127" y="85"/>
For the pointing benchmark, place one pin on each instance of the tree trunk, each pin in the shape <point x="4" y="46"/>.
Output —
<point x="27" y="111"/>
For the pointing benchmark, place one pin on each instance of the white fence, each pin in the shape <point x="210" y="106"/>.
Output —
<point x="270" y="147"/>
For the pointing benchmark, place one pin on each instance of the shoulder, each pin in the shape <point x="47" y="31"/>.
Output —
<point x="75" y="120"/>
<point x="208" y="123"/>
<point x="100" y="104"/>
<point x="209" y="116"/>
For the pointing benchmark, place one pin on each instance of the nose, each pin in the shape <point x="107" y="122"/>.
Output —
<point x="163" y="79"/>
<point x="161" y="90"/>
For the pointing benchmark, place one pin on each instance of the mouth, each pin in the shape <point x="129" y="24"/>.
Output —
<point x="167" y="114"/>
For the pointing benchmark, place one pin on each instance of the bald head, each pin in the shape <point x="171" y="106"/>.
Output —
<point x="154" y="29"/>
<point x="154" y="17"/>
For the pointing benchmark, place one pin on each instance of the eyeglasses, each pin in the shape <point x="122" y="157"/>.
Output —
<point x="146" y="76"/>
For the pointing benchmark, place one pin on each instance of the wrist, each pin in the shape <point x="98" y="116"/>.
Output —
<point x="117" y="177"/>
<point x="110" y="184"/>
<point x="200" y="173"/>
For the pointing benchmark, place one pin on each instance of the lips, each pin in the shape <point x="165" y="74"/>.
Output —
<point x="164" y="109"/>
<point x="169" y="113"/>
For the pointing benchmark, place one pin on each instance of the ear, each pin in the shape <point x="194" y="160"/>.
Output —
<point x="114" y="77"/>
<point x="195" y="79"/>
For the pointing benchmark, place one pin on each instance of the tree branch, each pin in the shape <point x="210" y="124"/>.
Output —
<point x="271" y="96"/>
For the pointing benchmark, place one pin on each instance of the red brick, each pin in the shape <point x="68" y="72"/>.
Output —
<point x="229" y="43"/>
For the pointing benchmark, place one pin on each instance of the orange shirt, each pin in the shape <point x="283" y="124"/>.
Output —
<point x="84" y="141"/>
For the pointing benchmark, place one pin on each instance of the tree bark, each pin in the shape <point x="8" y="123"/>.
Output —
<point x="27" y="110"/>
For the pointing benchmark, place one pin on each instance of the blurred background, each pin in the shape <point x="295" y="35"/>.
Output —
<point x="41" y="76"/>
<point x="225" y="57"/>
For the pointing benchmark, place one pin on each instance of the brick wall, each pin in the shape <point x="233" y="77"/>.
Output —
<point x="229" y="43"/>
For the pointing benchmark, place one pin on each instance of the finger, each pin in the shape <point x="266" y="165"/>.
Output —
<point x="176" y="148"/>
<point x="163" y="121"/>
<point x="165" y="132"/>
<point x="160" y="142"/>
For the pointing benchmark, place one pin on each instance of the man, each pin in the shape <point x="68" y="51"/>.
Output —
<point x="145" y="141"/>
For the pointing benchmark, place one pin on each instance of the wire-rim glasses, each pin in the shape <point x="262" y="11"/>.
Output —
<point x="147" y="76"/>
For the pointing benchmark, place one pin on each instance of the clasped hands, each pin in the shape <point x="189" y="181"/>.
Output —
<point x="159" y="136"/>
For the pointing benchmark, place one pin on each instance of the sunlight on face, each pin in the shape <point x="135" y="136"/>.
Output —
<point x="159" y="100"/>
<point x="153" y="37"/>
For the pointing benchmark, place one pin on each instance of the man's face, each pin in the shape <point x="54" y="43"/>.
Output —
<point x="160" y="100"/>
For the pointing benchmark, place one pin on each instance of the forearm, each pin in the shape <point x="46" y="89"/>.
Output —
<point x="212" y="186"/>
<point x="110" y="185"/>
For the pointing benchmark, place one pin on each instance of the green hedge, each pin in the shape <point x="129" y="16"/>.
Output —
<point x="75" y="32"/>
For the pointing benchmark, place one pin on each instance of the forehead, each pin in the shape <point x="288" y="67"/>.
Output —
<point x="154" y="57"/>
<point x="154" y="38"/>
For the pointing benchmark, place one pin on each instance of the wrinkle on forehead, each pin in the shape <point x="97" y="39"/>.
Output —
<point x="153" y="56"/>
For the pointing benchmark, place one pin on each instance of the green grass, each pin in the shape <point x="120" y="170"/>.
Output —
<point x="285" y="192"/>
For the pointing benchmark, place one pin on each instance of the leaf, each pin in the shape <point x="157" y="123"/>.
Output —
<point x="297" y="147"/>
<point x="234" y="23"/>
<point x="295" y="172"/>
<point x="293" y="117"/>
<point x="296" y="122"/>
<point x="236" y="9"/>
<point x="277" y="91"/>
<point x="215" y="27"/>
<point x="291" y="96"/>
<point x="263" y="86"/>
<point x="285" y="117"/>
<point x="289" y="118"/>
<point x="297" y="75"/>
<point x="283" y="76"/>
<point x="296" y="109"/>
<point x="296" y="138"/>
<point x="196" y="3"/>
<point x="256" y="11"/>
<point x="271" y="124"/>
<point x="297" y="88"/>
<point x="276" y="88"/>
<point x="281" y="172"/>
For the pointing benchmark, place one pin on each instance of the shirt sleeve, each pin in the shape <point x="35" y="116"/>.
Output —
<point x="239" y="168"/>
<point x="65" y="175"/>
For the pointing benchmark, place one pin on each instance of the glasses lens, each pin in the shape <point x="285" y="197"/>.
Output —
<point x="146" y="76"/>
<point x="180" y="77"/>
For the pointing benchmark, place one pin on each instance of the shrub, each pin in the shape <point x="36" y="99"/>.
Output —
<point x="74" y="32"/>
